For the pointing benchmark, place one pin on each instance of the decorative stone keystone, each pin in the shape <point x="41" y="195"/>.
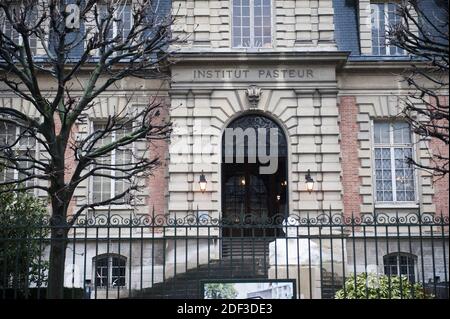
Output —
<point x="253" y="95"/>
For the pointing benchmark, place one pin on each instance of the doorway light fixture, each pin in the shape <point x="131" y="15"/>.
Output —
<point x="309" y="182"/>
<point x="202" y="181"/>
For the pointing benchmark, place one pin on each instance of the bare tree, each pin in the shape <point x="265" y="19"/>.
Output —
<point x="110" y="51"/>
<point x="424" y="35"/>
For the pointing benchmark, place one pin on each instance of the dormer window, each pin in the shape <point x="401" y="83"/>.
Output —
<point x="383" y="15"/>
<point x="17" y="12"/>
<point x="252" y="24"/>
<point x="121" y="22"/>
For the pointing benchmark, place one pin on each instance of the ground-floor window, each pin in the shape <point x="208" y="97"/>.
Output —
<point x="397" y="264"/>
<point x="110" y="270"/>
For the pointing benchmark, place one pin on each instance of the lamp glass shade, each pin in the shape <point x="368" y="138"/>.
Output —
<point x="202" y="183"/>
<point x="309" y="185"/>
<point x="309" y="182"/>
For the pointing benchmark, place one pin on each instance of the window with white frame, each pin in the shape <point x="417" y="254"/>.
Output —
<point x="394" y="175"/>
<point x="252" y="23"/>
<point x="110" y="270"/>
<point x="400" y="264"/>
<point x="105" y="187"/>
<point x="24" y="147"/>
<point x="8" y="30"/>
<point x="384" y="15"/>
<point x="121" y="23"/>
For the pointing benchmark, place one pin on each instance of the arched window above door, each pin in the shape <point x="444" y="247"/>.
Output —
<point x="250" y="124"/>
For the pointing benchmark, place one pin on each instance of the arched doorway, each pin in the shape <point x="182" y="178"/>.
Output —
<point x="254" y="177"/>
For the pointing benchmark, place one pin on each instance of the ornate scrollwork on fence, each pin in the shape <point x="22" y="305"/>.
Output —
<point x="197" y="220"/>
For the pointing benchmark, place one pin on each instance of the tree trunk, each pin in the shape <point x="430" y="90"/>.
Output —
<point x="59" y="233"/>
<point x="58" y="222"/>
<point x="55" y="287"/>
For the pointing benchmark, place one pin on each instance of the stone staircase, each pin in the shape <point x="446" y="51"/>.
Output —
<point x="187" y="285"/>
<point x="241" y="259"/>
<point x="330" y="284"/>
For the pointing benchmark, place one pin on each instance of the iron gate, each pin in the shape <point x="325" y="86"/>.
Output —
<point x="159" y="256"/>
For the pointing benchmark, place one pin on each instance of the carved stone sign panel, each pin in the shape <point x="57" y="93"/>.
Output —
<point x="254" y="74"/>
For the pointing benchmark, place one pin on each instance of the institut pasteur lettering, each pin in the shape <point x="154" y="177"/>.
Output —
<point x="312" y="89"/>
<point x="260" y="74"/>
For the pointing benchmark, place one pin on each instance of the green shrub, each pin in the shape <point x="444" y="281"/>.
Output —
<point x="21" y="241"/>
<point x="220" y="291"/>
<point x="373" y="286"/>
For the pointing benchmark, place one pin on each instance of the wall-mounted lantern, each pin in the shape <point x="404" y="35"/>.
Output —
<point x="202" y="181"/>
<point x="309" y="182"/>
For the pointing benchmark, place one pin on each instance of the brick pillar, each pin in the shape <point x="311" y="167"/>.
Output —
<point x="348" y="125"/>
<point x="70" y="164"/>
<point x="441" y="186"/>
<point x="157" y="182"/>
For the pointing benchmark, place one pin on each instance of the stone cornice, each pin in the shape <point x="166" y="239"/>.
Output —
<point x="192" y="57"/>
<point x="382" y="64"/>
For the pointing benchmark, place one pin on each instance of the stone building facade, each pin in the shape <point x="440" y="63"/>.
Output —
<point x="327" y="114"/>
<point x="329" y="82"/>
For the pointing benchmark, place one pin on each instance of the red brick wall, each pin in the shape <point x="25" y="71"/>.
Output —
<point x="157" y="182"/>
<point x="70" y="164"/>
<point x="348" y="111"/>
<point x="441" y="187"/>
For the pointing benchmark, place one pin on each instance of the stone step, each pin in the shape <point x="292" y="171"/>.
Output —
<point x="245" y="248"/>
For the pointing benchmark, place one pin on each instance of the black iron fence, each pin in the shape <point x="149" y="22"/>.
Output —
<point x="201" y="256"/>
